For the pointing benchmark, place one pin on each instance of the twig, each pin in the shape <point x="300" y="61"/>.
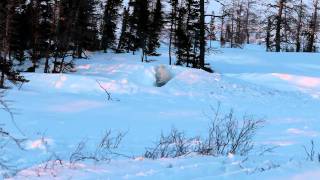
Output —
<point x="109" y="97"/>
<point x="6" y="108"/>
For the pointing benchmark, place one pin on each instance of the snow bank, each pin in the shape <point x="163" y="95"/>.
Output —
<point x="70" y="107"/>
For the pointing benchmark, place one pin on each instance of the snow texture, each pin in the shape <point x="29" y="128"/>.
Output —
<point x="64" y="109"/>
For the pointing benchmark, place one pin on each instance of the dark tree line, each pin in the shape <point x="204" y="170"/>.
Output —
<point x="294" y="27"/>
<point x="53" y="33"/>
<point x="282" y="25"/>
<point x="187" y="33"/>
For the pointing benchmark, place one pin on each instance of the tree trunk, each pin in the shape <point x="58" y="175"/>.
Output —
<point x="202" y="35"/>
<point x="46" y="66"/>
<point x="172" y="28"/>
<point x="222" y="40"/>
<point x="268" y="34"/>
<point x="238" y="31"/>
<point x="278" y="27"/>
<point x="247" y="22"/>
<point x="35" y="19"/>
<point x="6" y="41"/>
<point x="170" y="41"/>
<point x="313" y="27"/>
<point x="2" y="80"/>
<point x="298" y="42"/>
<point x="62" y="64"/>
<point x="142" y="54"/>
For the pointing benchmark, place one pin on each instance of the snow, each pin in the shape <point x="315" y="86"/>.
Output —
<point x="57" y="111"/>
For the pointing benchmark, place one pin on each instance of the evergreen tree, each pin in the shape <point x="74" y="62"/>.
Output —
<point x="46" y="30"/>
<point x="8" y="9"/>
<point x="155" y="29"/>
<point x="193" y="33"/>
<point x="188" y="34"/>
<point x="40" y="25"/>
<point x="84" y="27"/>
<point x="20" y="37"/>
<point x="140" y="23"/>
<point x="63" y="32"/>
<point x="182" y="40"/>
<point x="202" y="34"/>
<point x="33" y="13"/>
<point x="75" y="30"/>
<point x="125" y="41"/>
<point x="173" y="19"/>
<point x="110" y="19"/>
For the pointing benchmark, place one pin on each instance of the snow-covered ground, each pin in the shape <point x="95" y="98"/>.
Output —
<point x="63" y="109"/>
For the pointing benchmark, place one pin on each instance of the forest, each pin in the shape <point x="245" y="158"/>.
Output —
<point x="49" y="31"/>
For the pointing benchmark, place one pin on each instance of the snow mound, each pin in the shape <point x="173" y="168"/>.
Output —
<point x="162" y="75"/>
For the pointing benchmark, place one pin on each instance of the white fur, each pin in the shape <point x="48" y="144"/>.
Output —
<point x="163" y="75"/>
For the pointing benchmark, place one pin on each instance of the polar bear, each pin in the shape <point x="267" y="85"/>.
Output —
<point x="162" y="75"/>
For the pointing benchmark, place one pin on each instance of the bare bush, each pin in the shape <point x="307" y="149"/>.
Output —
<point x="226" y="135"/>
<point x="53" y="160"/>
<point x="63" y="66"/>
<point x="6" y="167"/>
<point x="104" y="151"/>
<point x="175" y="144"/>
<point x="4" y="104"/>
<point x="50" y="165"/>
<point x="311" y="153"/>
<point x="5" y="107"/>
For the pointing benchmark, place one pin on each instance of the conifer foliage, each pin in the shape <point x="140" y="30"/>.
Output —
<point x="156" y="24"/>
<point x="110" y="20"/>
<point x="8" y="30"/>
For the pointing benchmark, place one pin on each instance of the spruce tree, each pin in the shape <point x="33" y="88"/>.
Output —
<point x="140" y="23"/>
<point x="20" y="37"/>
<point x="188" y="34"/>
<point x="110" y="19"/>
<point x="63" y="33"/>
<point x="7" y="13"/>
<point x="125" y="41"/>
<point x="202" y="35"/>
<point x="182" y="39"/>
<point x="173" y="19"/>
<point x="33" y="13"/>
<point x="83" y="27"/>
<point x="192" y="29"/>
<point x="155" y="29"/>
<point x="46" y="33"/>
